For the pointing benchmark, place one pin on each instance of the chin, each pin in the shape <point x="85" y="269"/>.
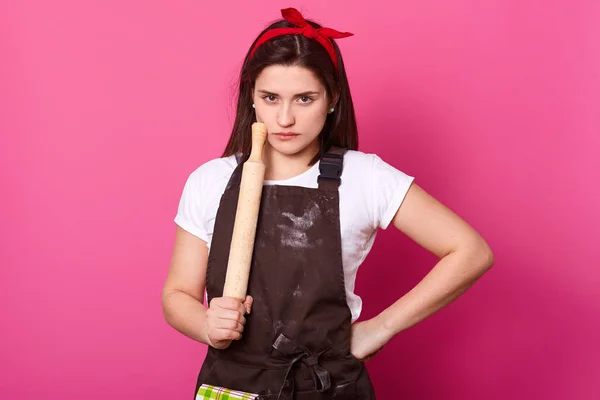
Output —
<point x="289" y="149"/>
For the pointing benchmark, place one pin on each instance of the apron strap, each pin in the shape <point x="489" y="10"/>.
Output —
<point x="331" y="166"/>
<point x="293" y="353"/>
<point x="236" y="176"/>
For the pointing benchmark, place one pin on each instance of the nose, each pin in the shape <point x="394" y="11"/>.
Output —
<point x="285" y="116"/>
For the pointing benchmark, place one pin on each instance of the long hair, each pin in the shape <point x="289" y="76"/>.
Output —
<point x="295" y="50"/>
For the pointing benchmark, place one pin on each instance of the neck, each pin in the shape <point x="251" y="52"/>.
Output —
<point x="281" y="166"/>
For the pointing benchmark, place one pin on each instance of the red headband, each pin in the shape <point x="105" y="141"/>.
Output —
<point x="321" y="35"/>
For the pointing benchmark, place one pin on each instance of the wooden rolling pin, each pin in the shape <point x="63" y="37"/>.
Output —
<point x="246" y="217"/>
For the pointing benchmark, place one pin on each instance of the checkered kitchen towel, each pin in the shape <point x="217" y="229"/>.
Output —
<point x="207" y="392"/>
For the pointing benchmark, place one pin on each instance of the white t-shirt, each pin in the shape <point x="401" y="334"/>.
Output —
<point x="370" y="194"/>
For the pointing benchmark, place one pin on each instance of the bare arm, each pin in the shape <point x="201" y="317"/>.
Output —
<point x="183" y="297"/>
<point x="183" y="292"/>
<point x="464" y="257"/>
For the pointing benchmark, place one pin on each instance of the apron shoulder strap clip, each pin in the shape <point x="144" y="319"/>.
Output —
<point x="331" y="166"/>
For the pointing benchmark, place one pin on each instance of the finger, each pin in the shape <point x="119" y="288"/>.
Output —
<point x="248" y="304"/>
<point x="230" y="303"/>
<point x="370" y="356"/>
<point x="226" y="334"/>
<point x="232" y="315"/>
<point x="238" y="306"/>
<point x="229" y="324"/>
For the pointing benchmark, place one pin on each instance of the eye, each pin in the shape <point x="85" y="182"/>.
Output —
<point x="270" y="98"/>
<point x="305" y="99"/>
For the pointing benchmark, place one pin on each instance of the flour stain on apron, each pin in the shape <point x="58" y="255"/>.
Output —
<point x="294" y="234"/>
<point x="297" y="292"/>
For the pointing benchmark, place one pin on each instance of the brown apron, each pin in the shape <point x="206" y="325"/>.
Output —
<point x="296" y="341"/>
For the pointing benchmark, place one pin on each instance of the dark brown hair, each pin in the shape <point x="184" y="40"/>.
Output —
<point x="340" y="126"/>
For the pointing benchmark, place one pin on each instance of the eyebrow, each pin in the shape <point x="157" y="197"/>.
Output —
<point x="308" y="93"/>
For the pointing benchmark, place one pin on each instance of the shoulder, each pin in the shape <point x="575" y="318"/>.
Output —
<point x="368" y="164"/>
<point x="380" y="185"/>
<point x="358" y="162"/>
<point x="212" y="172"/>
<point x="358" y="157"/>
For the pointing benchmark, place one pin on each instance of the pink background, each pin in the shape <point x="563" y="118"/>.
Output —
<point x="106" y="107"/>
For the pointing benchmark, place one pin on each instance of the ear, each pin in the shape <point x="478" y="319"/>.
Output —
<point x="334" y="100"/>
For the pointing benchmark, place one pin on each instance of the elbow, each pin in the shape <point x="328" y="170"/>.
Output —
<point x="477" y="255"/>
<point x="485" y="256"/>
<point x="166" y="305"/>
<point x="490" y="259"/>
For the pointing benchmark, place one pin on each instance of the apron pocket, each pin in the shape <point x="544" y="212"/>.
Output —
<point x="208" y="392"/>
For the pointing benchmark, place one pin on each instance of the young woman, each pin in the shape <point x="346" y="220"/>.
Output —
<point x="295" y="336"/>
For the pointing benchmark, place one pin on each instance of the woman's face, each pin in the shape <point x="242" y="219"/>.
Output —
<point x="293" y="104"/>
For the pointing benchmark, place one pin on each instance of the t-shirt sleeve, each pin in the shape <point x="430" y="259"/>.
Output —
<point x="191" y="208"/>
<point x="389" y="189"/>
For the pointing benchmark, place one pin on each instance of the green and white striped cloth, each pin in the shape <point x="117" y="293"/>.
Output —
<point x="208" y="392"/>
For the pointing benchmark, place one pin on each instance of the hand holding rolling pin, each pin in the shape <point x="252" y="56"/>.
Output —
<point x="226" y="320"/>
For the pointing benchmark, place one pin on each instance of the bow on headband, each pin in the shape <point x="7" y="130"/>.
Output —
<point x="321" y="35"/>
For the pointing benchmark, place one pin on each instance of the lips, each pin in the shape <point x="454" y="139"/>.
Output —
<point x="286" y="134"/>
